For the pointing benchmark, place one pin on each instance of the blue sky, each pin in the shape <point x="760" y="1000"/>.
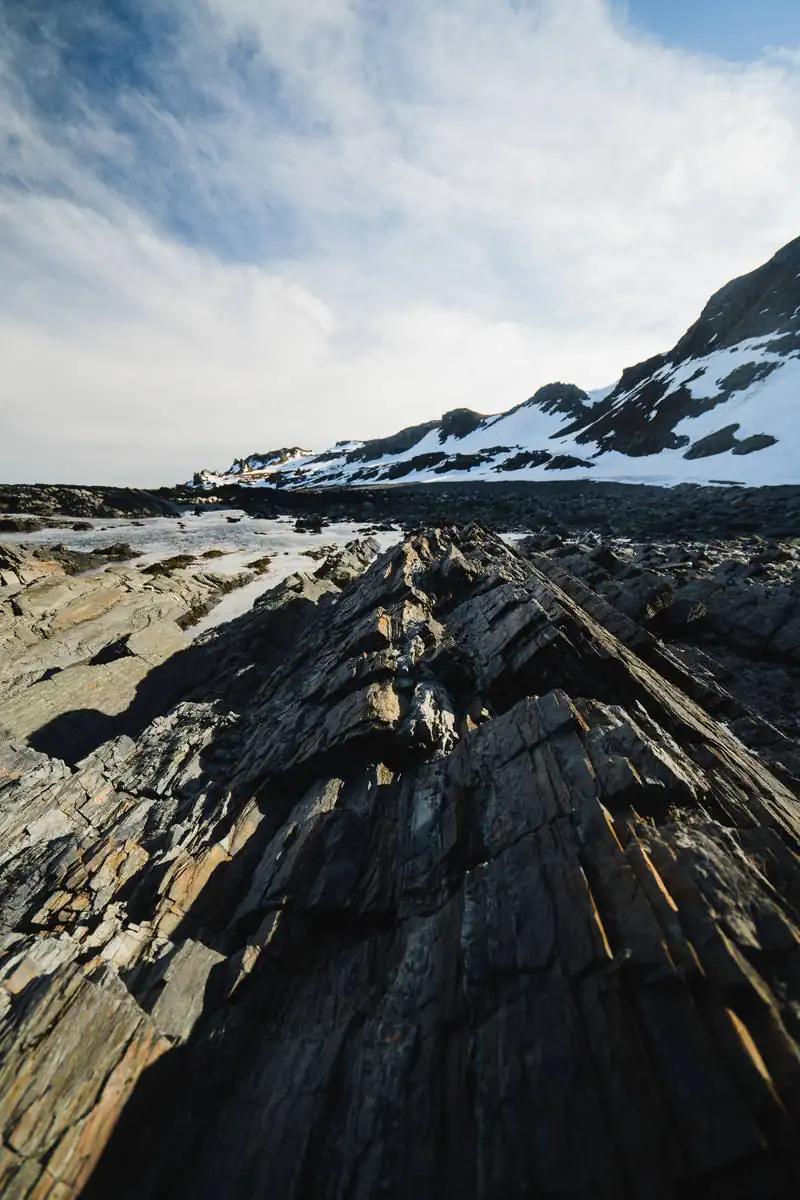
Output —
<point x="738" y="30"/>
<point x="227" y="225"/>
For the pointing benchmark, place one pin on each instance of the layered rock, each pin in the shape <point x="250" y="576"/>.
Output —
<point x="728" y="611"/>
<point x="440" y="880"/>
<point x="85" y="643"/>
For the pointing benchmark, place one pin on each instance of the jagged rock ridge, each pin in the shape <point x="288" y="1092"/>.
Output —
<point x="755" y="318"/>
<point x="442" y="881"/>
<point x="254" y="466"/>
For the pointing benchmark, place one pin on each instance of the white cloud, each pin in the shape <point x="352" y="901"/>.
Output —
<point x="393" y="210"/>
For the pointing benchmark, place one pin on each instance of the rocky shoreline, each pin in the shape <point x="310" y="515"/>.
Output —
<point x="455" y="870"/>
<point x="621" y="510"/>
<point x="565" y="508"/>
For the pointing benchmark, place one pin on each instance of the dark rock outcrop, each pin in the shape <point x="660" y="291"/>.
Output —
<point x="563" y="398"/>
<point x="45" y="499"/>
<point x="396" y="444"/>
<point x="563" y="462"/>
<point x="725" y="439"/>
<point x="729" y="611"/>
<point x="20" y="524"/>
<point x="459" y="422"/>
<point x="442" y="881"/>
<point x="526" y="458"/>
<point x="759" y="311"/>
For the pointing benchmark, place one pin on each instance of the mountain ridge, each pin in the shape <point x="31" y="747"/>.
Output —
<point x="718" y="407"/>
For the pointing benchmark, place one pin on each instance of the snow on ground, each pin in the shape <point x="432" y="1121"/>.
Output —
<point x="242" y="541"/>
<point x="704" y="375"/>
<point x="770" y="405"/>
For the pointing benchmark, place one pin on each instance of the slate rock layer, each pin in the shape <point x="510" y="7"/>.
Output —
<point x="434" y="887"/>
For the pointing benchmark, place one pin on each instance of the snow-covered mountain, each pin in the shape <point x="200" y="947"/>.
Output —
<point x="722" y="406"/>
<point x="253" y="468"/>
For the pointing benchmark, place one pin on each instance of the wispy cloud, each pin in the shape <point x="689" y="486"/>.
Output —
<point x="246" y="223"/>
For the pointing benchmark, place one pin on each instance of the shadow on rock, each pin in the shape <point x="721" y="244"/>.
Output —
<point x="216" y="668"/>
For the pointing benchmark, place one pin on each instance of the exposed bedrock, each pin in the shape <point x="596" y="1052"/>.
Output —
<point x="76" y="649"/>
<point x="728" y="611"/>
<point x="443" y="880"/>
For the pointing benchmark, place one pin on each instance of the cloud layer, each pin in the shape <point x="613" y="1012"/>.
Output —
<point x="250" y="223"/>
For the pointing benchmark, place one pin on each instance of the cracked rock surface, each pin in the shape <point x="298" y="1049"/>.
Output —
<point x="729" y="611"/>
<point x="443" y="876"/>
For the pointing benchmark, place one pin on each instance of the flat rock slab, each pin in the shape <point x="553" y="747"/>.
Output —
<point x="58" y="624"/>
<point x="94" y="603"/>
<point x="157" y="642"/>
<point x="50" y="596"/>
<point x="106" y="689"/>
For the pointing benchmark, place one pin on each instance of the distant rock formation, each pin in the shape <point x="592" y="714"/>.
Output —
<point x="746" y="333"/>
<point x="46" y="499"/>
<point x="255" y="464"/>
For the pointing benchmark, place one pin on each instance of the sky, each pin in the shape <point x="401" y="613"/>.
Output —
<point x="232" y="225"/>
<point x="730" y="29"/>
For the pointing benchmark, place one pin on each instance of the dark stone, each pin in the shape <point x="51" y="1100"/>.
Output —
<point x="420" y="462"/>
<point x="757" y="441"/>
<point x="459" y="422"/>
<point x="21" y="524"/>
<point x="310" y="524"/>
<point x="176" y="563"/>
<point x="713" y="443"/>
<point x="526" y="458"/>
<point x="563" y="462"/>
<point x="462" y="462"/>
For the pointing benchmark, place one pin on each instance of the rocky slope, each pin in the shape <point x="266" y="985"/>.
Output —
<point x="442" y="876"/>
<point x="720" y="406"/>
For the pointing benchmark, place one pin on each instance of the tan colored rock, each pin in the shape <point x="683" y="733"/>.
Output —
<point x="107" y="689"/>
<point x="68" y="1065"/>
<point x="46" y="598"/>
<point x="88" y="607"/>
<point x="157" y="642"/>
